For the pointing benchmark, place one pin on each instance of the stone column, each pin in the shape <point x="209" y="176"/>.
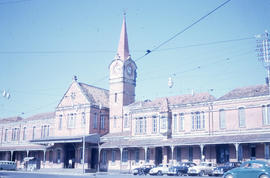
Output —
<point x="44" y="157"/>
<point x="236" y="151"/>
<point x="121" y="152"/>
<point x="145" y="154"/>
<point x="99" y="158"/>
<point x="202" y="156"/>
<point x="172" y="148"/>
<point x="11" y="155"/>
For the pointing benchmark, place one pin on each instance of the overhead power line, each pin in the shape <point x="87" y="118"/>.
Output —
<point x="182" y="31"/>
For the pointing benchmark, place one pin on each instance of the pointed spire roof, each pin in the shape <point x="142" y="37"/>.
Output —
<point x="123" y="51"/>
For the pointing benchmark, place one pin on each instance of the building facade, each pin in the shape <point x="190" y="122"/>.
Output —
<point x="107" y="130"/>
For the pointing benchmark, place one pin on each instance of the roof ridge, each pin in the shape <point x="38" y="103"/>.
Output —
<point x="92" y="86"/>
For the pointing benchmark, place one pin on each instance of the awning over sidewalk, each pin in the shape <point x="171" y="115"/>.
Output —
<point x="182" y="141"/>
<point x="92" y="138"/>
<point x="22" y="147"/>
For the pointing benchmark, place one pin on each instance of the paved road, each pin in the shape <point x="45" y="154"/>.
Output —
<point x="12" y="174"/>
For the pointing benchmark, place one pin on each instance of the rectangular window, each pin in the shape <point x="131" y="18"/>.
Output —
<point x="125" y="121"/>
<point x="115" y="97"/>
<point x="104" y="157"/>
<point x="83" y="121"/>
<point x="48" y="131"/>
<point x="102" y="122"/>
<point x="125" y="155"/>
<point x="193" y="120"/>
<point x="241" y="116"/>
<point x="266" y="114"/>
<point x="154" y="124"/>
<point x="33" y="134"/>
<point x="114" y="122"/>
<point x="163" y="122"/>
<point x="222" y="121"/>
<point x="24" y="133"/>
<point x="60" y="122"/>
<point x="175" y="122"/>
<point x="203" y="120"/>
<point x="113" y="156"/>
<point x="198" y="120"/>
<point x="42" y="132"/>
<point x="181" y="122"/>
<point x="71" y="120"/>
<point x="137" y="156"/>
<point x="95" y="120"/>
<point x="140" y="125"/>
<point x="6" y="134"/>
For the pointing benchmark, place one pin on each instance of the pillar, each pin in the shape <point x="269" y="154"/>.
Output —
<point x="202" y="156"/>
<point x="145" y="154"/>
<point x="172" y="148"/>
<point x="237" y="151"/>
<point x="121" y="151"/>
<point x="11" y="155"/>
<point x="44" y="157"/>
<point x="99" y="158"/>
<point x="83" y="152"/>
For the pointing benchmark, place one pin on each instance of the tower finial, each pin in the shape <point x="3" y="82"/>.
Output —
<point x="123" y="50"/>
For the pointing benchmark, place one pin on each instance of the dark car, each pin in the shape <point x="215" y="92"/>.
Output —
<point x="220" y="170"/>
<point x="181" y="169"/>
<point x="144" y="170"/>
<point x="253" y="169"/>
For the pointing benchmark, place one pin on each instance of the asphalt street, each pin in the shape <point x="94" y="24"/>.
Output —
<point x="12" y="174"/>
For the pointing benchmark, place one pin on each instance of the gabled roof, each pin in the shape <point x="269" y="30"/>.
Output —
<point x="11" y="119"/>
<point x="246" y="92"/>
<point x="40" y="116"/>
<point x="95" y="95"/>
<point x="175" y="100"/>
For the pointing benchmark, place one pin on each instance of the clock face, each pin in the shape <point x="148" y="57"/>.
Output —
<point x="117" y="67"/>
<point x="129" y="70"/>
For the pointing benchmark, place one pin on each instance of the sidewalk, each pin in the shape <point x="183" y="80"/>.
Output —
<point x="62" y="171"/>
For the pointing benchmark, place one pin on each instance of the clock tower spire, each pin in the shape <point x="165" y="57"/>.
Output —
<point x="122" y="81"/>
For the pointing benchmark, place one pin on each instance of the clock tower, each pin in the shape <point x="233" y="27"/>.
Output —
<point x="122" y="82"/>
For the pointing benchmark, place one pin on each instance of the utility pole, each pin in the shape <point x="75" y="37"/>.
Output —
<point x="263" y="49"/>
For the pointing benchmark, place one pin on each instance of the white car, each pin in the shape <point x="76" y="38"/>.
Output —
<point x="159" y="170"/>
<point x="205" y="168"/>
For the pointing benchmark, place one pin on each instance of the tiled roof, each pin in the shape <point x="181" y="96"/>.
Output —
<point x="230" y="139"/>
<point x="174" y="100"/>
<point x="96" y="95"/>
<point x="41" y="116"/>
<point x="22" y="147"/>
<point x="246" y="92"/>
<point x="11" y="119"/>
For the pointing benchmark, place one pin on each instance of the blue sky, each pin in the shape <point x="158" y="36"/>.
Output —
<point x="45" y="42"/>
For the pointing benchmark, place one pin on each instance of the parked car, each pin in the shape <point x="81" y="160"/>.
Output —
<point x="205" y="168"/>
<point x="144" y="170"/>
<point x="7" y="165"/>
<point x="254" y="169"/>
<point x="220" y="170"/>
<point x="181" y="169"/>
<point x="159" y="170"/>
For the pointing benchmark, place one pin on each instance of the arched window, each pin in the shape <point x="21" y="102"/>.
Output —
<point x="222" y="120"/>
<point x="242" y="117"/>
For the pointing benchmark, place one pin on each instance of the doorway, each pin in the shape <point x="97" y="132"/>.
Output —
<point x="223" y="153"/>
<point x="94" y="158"/>
<point x="158" y="156"/>
<point x="69" y="155"/>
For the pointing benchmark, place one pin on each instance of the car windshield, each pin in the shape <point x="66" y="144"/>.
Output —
<point x="252" y="165"/>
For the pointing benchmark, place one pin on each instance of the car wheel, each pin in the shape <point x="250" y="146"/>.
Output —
<point x="159" y="173"/>
<point x="179" y="173"/>
<point x="264" y="176"/>
<point x="201" y="173"/>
